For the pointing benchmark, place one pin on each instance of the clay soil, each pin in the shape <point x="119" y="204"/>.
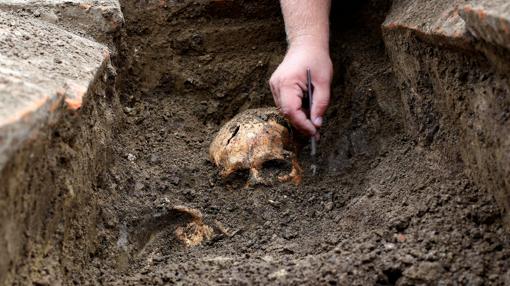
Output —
<point x="383" y="209"/>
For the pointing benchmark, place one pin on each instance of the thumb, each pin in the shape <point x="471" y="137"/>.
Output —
<point x="320" y="103"/>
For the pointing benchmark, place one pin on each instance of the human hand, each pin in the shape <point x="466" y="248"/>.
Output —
<point x="289" y="81"/>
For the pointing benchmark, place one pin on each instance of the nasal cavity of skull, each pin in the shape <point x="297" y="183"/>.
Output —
<point x="272" y="169"/>
<point x="234" y="132"/>
<point x="238" y="179"/>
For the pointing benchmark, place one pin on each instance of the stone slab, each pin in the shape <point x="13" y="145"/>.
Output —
<point x="99" y="19"/>
<point x="489" y="21"/>
<point x="436" y="21"/>
<point x="41" y="67"/>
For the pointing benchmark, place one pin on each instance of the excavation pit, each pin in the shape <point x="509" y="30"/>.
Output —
<point x="398" y="199"/>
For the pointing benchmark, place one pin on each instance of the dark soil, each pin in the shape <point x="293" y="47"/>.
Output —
<point x="383" y="209"/>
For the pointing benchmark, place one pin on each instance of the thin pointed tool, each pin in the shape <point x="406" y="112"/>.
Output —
<point x="313" y="142"/>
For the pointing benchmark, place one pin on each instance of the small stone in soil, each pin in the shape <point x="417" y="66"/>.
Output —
<point x="273" y="203"/>
<point x="289" y="248"/>
<point x="427" y="271"/>
<point x="139" y="186"/>
<point x="154" y="159"/>
<point x="400" y="224"/>
<point x="174" y="179"/>
<point x="131" y="157"/>
<point x="289" y="234"/>
<point x="49" y="17"/>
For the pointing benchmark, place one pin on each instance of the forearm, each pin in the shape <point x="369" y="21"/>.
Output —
<point x="307" y="21"/>
<point x="307" y="27"/>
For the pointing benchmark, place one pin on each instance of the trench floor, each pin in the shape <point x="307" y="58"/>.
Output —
<point x="405" y="216"/>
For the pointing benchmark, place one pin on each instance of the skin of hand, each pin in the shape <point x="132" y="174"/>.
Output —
<point x="307" y="26"/>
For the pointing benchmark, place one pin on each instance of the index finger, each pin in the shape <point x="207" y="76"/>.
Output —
<point x="290" y="103"/>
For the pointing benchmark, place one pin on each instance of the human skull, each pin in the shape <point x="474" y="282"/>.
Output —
<point x="257" y="142"/>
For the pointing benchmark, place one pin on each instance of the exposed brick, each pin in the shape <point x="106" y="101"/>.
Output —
<point x="489" y="21"/>
<point x="435" y="21"/>
<point x="42" y="67"/>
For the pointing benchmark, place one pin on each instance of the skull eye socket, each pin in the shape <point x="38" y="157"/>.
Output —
<point x="272" y="169"/>
<point x="238" y="178"/>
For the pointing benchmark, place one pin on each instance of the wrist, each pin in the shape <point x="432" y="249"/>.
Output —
<point x="308" y="41"/>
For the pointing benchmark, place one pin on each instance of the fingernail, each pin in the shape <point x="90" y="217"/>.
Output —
<point x="317" y="121"/>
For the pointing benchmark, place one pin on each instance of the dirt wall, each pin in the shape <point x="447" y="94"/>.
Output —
<point x="456" y="94"/>
<point x="220" y="51"/>
<point x="50" y="210"/>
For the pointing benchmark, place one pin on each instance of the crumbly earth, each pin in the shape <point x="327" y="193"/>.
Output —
<point x="383" y="209"/>
<point x="404" y="216"/>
